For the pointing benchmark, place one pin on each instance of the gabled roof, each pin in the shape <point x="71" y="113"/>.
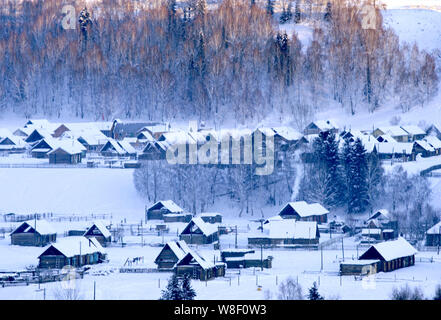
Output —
<point x="72" y="246"/>
<point x="13" y="141"/>
<point x="179" y="248"/>
<point x="145" y="135"/>
<point x="433" y="141"/>
<point x="101" y="227"/>
<point x="413" y="129"/>
<point x="288" y="133"/>
<point x="115" y="145"/>
<point x="436" y="229"/>
<point x="206" y="228"/>
<point x="324" y="125"/>
<point x="425" y="145"/>
<point x="304" y="209"/>
<point x="168" y="204"/>
<point x="69" y="146"/>
<point x="394" y="131"/>
<point x="192" y="257"/>
<point x="382" y="214"/>
<point x="290" y="228"/>
<point x="41" y="226"/>
<point x="386" y="138"/>
<point x="392" y="249"/>
<point x="125" y="144"/>
<point x="394" y="147"/>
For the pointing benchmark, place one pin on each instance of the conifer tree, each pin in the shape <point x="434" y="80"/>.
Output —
<point x="188" y="292"/>
<point x="297" y="13"/>
<point x="173" y="290"/>
<point x="357" y="196"/>
<point x="313" y="293"/>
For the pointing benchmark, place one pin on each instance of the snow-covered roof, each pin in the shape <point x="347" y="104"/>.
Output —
<point x="394" y="131"/>
<point x="436" y="229"/>
<point x="176" y="138"/>
<point x="360" y="262"/>
<point x="305" y="210"/>
<point x="70" y="146"/>
<point x="382" y="214"/>
<point x="325" y="124"/>
<point x="13" y="140"/>
<point x="425" y="145"/>
<point x="5" y="133"/>
<point x="41" y="226"/>
<point x="394" y="249"/>
<point x="413" y="129"/>
<point x="170" y="205"/>
<point x="179" y="248"/>
<point x="290" y="228"/>
<point x="41" y="123"/>
<point x="206" y="228"/>
<point x="394" y="147"/>
<point x="125" y="144"/>
<point x="288" y="133"/>
<point x="210" y="214"/>
<point x="72" y="246"/>
<point x="101" y="226"/>
<point x="269" y="132"/>
<point x="433" y="141"/>
<point x="118" y="149"/>
<point x="145" y="135"/>
<point x="197" y="258"/>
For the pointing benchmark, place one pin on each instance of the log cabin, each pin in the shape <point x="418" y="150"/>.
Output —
<point x="99" y="231"/>
<point x="158" y="209"/>
<point x="300" y="210"/>
<point x="170" y="254"/>
<point x="36" y="233"/>
<point x="392" y="255"/>
<point x="199" y="232"/>
<point x="433" y="235"/>
<point x="72" y="251"/>
<point x="198" y="267"/>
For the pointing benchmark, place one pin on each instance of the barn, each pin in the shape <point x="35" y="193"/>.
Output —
<point x="199" y="232"/>
<point x="433" y="235"/>
<point x="157" y="210"/>
<point x="72" y="251"/>
<point x="393" y="254"/>
<point x="99" y="231"/>
<point x="300" y="210"/>
<point x="170" y="254"/>
<point x="37" y="233"/>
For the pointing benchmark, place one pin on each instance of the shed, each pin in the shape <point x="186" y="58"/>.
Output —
<point x="36" y="233"/>
<point x="359" y="267"/>
<point x="211" y="217"/>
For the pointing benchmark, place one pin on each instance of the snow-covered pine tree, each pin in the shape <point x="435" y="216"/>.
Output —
<point x="334" y="182"/>
<point x="188" y="293"/>
<point x="313" y="293"/>
<point x="173" y="291"/>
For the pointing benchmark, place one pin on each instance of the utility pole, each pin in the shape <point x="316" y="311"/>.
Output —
<point x="235" y="240"/>
<point x="94" y="290"/>
<point x="321" y="254"/>
<point x="342" y="249"/>
<point x="261" y="257"/>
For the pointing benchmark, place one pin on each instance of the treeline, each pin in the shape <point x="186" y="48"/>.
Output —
<point x="162" y="61"/>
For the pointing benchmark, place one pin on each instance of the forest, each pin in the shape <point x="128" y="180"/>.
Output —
<point x="166" y="61"/>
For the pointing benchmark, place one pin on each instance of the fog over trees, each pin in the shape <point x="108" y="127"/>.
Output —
<point x="170" y="62"/>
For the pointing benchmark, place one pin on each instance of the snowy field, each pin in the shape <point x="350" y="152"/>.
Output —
<point x="301" y="265"/>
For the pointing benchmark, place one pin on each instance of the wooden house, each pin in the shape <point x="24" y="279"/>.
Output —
<point x="318" y="126"/>
<point x="100" y="232"/>
<point x="396" y="132"/>
<point x="41" y="148"/>
<point x="157" y="210"/>
<point x="112" y="148"/>
<point x="72" y="251"/>
<point x="383" y="220"/>
<point x="424" y="148"/>
<point x="122" y="129"/>
<point x="153" y="150"/>
<point x="435" y="143"/>
<point x="199" y="232"/>
<point x="37" y="135"/>
<point x="300" y="210"/>
<point x="395" y="150"/>
<point x="433" y="235"/>
<point x="36" y="233"/>
<point x="177" y="217"/>
<point x="393" y="254"/>
<point x="415" y="133"/>
<point x="198" y="267"/>
<point x="67" y="154"/>
<point x="170" y="254"/>
<point x="287" y="232"/>
<point x="13" y="144"/>
<point x="433" y="130"/>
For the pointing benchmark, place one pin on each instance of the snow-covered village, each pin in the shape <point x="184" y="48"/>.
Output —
<point x="220" y="150"/>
